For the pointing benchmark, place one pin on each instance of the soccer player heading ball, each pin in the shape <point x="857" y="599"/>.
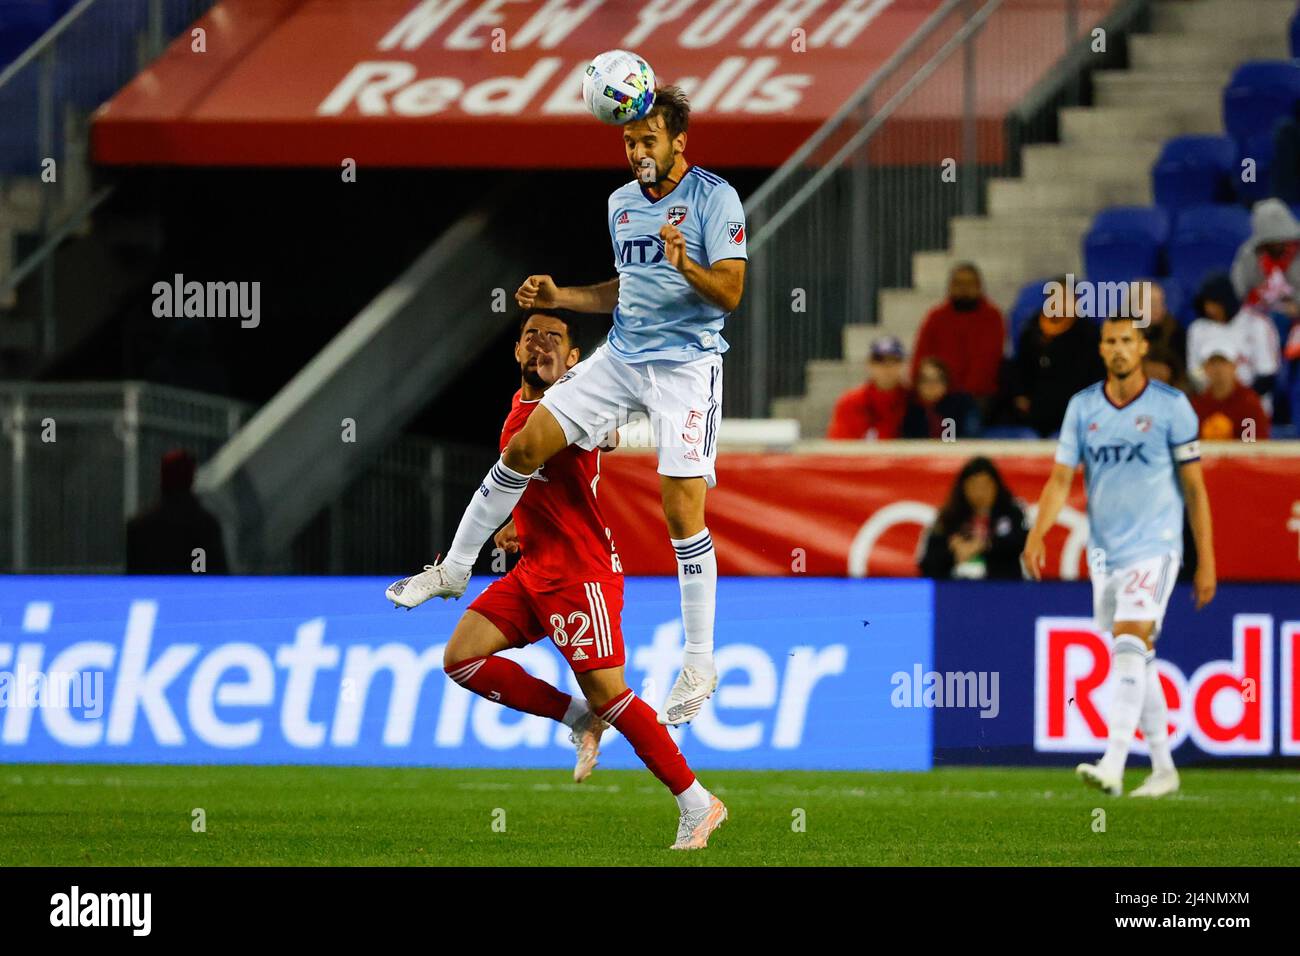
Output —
<point x="568" y="584"/>
<point x="679" y="243"/>
<point x="1137" y="441"/>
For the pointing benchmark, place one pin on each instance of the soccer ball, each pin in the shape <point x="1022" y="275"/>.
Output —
<point x="618" y="87"/>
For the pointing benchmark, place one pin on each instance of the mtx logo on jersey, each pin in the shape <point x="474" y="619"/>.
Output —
<point x="641" y="250"/>
<point x="1225" y="706"/>
<point x="75" y="908"/>
<point x="1116" y="453"/>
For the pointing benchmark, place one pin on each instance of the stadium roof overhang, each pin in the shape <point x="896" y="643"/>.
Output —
<point x="436" y="82"/>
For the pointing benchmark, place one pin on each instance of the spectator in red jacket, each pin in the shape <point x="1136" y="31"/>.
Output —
<point x="1226" y="409"/>
<point x="876" y="409"/>
<point x="965" y="333"/>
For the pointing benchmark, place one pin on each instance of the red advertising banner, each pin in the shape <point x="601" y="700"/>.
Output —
<point x="863" y="515"/>
<point x="497" y="83"/>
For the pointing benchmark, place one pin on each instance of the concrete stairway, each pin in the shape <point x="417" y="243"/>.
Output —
<point x="1035" y="225"/>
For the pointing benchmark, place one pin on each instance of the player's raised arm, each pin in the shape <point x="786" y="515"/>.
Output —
<point x="722" y="283"/>
<point x="541" y="292"/>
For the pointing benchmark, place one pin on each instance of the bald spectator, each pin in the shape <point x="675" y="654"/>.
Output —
<point x="965" y="333"/>
<point x="874" y="410"/>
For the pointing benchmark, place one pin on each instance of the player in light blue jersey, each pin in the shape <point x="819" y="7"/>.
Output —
<point x="680" y="249"/>
<point x="1137" y="442"/>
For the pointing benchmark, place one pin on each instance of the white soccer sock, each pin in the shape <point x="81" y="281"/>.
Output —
<point x="697" y="576"/>
<point x="694" y="797"/>
<point x="487" y="511"/>
<point x="577" y="708"/>
<point x="1155" y="720"/>
<point x="1128" y="664"/>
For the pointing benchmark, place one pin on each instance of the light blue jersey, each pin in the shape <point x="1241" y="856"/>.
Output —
<point x="659" y="315"/>
<point x="1130" y="457"/>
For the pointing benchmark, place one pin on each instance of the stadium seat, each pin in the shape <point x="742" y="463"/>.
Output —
<point x="1193" y="171"/>
<point x="1260" y="147"/>
<point x="1295" y="36"/>
<point x="1178" y="301"/>
<point x="1204" y="240"/>
<point x="1125" y="241"/>
<point x="1017" y="432"/>
<point x="1258" y="95"/>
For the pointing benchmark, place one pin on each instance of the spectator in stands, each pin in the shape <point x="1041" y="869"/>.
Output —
<point x="1164" y="335"/>
<point x="1162" y="365"/>
<point x="162" y="540"/>
<point x="874" y="410"/>
<point x="1266" y="268"/>
<point x="979" y="532"/>
<point x="935" y="412"/>
<point x="1057" y="355"/>
<point x="1252" y="336"/>
<point x="1227" y="409"/>
<point x="966" y="334"/>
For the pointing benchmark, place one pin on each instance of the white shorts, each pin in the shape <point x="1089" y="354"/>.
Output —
<point x="681" y="401"/>
<point x="1136" y="592"/>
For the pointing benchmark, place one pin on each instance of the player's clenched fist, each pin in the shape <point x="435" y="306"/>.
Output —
<point x="674" y="246"/>
<point x="507" y="539"/>
<point x="537" y="292"/>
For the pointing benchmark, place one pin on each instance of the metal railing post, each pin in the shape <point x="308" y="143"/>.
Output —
<point x="18" y="435"/>
<point x="970" y="199"/>
<point x="759" y="312"/>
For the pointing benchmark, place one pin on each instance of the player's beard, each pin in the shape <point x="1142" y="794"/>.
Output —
<point x="1122" y="373"/>
<point x="532" y="378"/>
<point x="661" y="171"/>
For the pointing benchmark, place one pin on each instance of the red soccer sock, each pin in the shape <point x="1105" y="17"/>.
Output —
<point x="636" y="721"/>
<point x="507" y="683"/>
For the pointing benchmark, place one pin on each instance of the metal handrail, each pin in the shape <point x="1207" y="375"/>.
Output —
<point x="48" y="37"/>
<point x="854" y="102"/>
<point x="859" y="139"/>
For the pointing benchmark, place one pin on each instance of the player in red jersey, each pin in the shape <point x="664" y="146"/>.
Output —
<point x="568" y="585"/>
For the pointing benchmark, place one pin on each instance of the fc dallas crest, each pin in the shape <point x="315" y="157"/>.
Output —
<point x="676" y="214"/>
<point x="1144" y="423"/>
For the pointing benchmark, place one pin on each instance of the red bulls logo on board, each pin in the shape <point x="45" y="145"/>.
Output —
<point x="1225" y="706"/>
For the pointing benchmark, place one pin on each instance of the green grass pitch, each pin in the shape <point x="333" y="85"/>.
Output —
<point x="267" y="816"/>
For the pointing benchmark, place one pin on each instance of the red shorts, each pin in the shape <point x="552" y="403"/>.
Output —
<point x="582" y="620"/>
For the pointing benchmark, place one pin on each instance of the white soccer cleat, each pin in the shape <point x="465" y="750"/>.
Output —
<point x="586" y="735"/>
<point x="1094" y="776"/>
<point x="433" y="581"/>
<point x="1160" y="784"/>
<point x="695" y="826"/>
<point x="691" y="689"/>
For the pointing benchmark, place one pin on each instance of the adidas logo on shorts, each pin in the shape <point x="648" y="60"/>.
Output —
<point x="578" y="654"/>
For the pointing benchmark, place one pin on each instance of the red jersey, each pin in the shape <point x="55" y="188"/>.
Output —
<point x="868" y="412"/>
<point x="563" y="538"/>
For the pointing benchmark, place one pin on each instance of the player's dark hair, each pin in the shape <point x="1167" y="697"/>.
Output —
<point x="572" y="326"/>
<point x="1140" y="329"/>
<point x="956" y="511"/>
<point x="671" y="103"/>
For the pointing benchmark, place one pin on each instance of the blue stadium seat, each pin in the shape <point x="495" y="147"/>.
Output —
<point x="1125" y="241"/>
<point x="1010" y="431"/>
<point x="1193" y="171"/>
<point x="1258" y="95"/>
<point x="1204" y="240"/>
<point x="1295" y="36"/>
<point x="1261" y="147"/>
